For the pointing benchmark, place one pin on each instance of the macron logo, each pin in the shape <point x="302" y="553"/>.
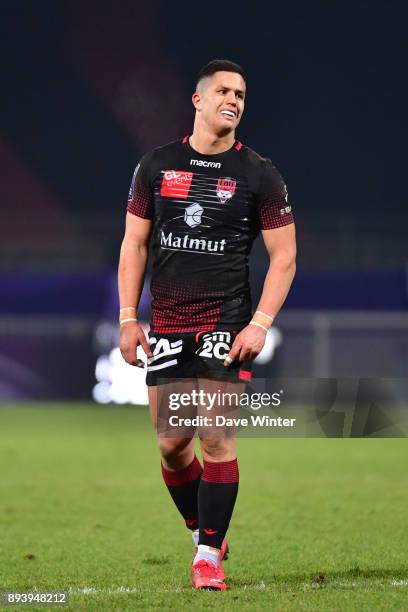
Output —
<point x="206" y="164"/>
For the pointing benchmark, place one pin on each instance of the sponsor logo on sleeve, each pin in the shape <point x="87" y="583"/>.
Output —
<point x="132" y="185"/>
<point x="286" y="210"/>
<point x="176" y="184"/>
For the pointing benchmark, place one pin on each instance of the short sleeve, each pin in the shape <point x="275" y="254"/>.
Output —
<point x="140" y="199"/>
<point x="274" y="210"/>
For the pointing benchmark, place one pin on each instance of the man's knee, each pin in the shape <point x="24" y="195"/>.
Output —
<point x="173" y="449"/>
<point x="218" y="449"/>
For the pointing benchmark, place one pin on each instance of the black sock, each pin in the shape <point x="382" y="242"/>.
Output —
<point x="216" y="499"/>
<point x="183" y="487"/>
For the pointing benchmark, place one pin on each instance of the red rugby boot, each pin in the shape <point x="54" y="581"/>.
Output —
<point x="205" y="575"/>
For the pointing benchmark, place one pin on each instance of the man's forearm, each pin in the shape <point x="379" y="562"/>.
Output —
<point x="132" y="267"/>
<point x="276" y="285"/>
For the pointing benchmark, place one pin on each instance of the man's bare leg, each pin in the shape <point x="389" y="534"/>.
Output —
<point x="176" y="453"/>
<point x="219" y="483"/>
<point x="181" y="468"/>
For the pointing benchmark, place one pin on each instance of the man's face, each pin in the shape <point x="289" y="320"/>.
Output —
<point x="220" y="101"/>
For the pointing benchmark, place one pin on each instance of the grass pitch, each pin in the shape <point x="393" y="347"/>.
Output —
<point x="319" y="524"/>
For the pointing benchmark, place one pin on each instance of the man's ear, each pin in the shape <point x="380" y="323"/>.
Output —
<point x="196" y="99"/>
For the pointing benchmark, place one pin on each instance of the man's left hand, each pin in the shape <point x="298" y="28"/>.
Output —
<point x="247" y="344"/>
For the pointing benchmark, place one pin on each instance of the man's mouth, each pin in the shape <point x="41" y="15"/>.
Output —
<point x="229" y="114"/>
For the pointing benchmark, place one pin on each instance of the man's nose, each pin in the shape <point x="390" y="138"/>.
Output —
<point x="231" y="98"/>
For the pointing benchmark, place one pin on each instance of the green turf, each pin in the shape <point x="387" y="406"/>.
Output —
<point x="319" y="524"/>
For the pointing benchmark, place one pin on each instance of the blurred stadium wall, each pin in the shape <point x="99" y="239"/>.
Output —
<point x="88" y="88"/>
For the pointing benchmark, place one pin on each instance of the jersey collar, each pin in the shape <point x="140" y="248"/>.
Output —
<point x="185" y="141"/>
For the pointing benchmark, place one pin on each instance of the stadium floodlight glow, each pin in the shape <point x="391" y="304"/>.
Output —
<point x="272" y="340"/>
<point x="119" y="382"/>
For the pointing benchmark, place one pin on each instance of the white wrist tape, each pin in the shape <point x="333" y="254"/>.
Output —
<point x="258" y="325"/>
<point x="264" y="314"/>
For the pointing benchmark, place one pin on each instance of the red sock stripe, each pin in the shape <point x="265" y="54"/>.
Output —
<point x="221" y="471"/>
<point x="180" y="477"/>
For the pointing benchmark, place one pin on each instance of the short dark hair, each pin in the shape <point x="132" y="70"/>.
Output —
<point x="216" y="65"/>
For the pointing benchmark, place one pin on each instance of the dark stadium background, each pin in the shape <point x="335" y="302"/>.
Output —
<point x="87" y="88"/>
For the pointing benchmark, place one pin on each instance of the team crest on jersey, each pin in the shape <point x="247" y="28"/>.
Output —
<point x="176" y="184"/>
<point x="225" y="189"/>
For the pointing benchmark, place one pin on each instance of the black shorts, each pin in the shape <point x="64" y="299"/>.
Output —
<point x="194" y="355"/>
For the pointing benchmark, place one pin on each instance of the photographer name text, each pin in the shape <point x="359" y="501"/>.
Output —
<point x="222" y="421"/>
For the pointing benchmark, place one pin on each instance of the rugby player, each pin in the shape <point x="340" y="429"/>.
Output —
<point x="200" y="202"/>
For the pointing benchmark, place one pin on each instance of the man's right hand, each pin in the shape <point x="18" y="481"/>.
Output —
<point x="131" y="336"/>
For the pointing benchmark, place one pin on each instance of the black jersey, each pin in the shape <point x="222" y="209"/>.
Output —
<point x="207" y="210"/>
